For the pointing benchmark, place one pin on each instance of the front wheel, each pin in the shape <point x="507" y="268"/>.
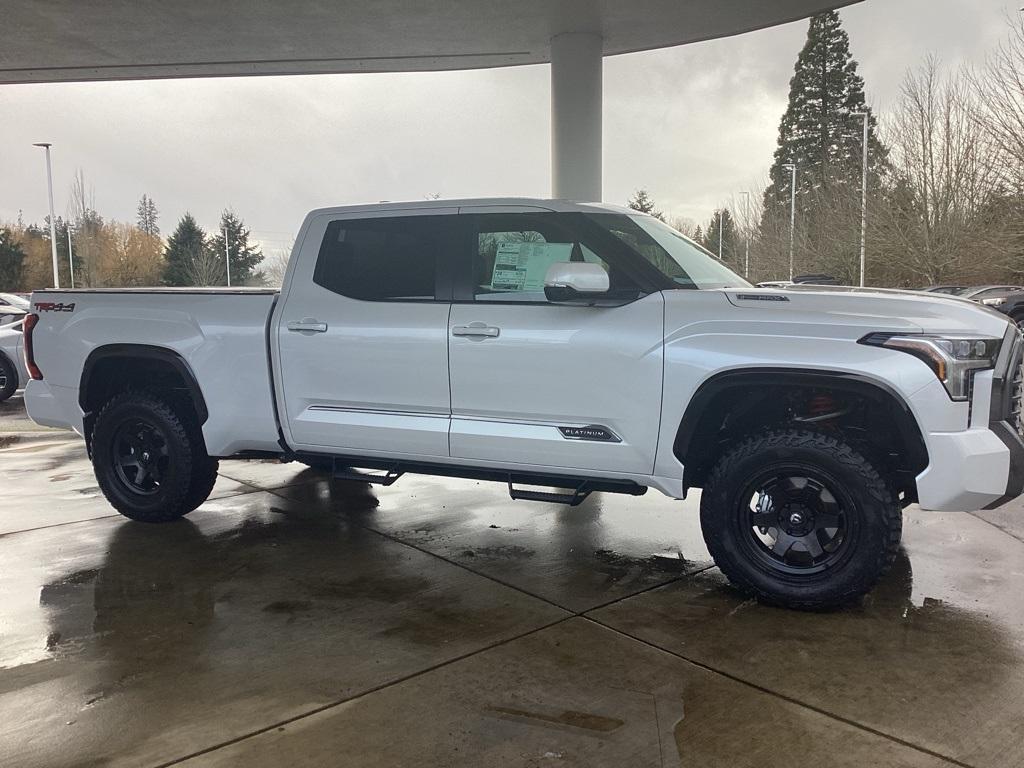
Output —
<point x="800" y="519"/>
<point x="149" y="457"/>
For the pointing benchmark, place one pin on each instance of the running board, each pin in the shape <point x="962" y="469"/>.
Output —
<point x="574" y="499"/>
<point x="388" y="471"/>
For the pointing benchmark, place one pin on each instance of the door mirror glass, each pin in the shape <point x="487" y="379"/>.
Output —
<point x="575" y="280"/>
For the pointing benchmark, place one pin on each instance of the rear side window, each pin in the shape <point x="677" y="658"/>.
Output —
<point x="392" y="258"/>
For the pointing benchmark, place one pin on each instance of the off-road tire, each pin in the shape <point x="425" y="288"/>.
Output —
<point x="9" y="377"/>
<point x="874" y="519"/>
<point x="188" y="474"/>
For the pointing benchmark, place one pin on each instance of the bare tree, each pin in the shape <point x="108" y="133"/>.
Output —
<point x="999" y="107"/>
<point x="933" y="225"/>
<point x="205" y="267"/>
<point x="275" y="265"/>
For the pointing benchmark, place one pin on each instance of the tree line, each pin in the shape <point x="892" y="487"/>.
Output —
<point x="113" y="254"/>
<point x="945" y="174"/>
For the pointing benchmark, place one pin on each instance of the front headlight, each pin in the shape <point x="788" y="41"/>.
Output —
<point x="993" y="302"/>
<point x="954" y="359"/>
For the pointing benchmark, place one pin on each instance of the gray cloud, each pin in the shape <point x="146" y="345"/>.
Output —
<point x="695" y="125"/>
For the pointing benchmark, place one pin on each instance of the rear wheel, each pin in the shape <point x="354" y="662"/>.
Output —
<point x="149" y="457"/>
<point x="8" y="378"/>
<point x="800" y="519"/>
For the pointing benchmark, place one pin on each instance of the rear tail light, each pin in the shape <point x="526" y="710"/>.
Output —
<point x="30" y="362"/>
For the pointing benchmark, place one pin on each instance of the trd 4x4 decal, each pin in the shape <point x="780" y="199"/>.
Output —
<point x="50" y="306"/>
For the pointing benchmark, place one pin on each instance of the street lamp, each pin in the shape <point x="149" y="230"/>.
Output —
<point x="746" y="218"/>
<point x="863" y="194"/>
<point x="720" y="232"/>
<point x="791" y="167"/>
<point x="53" y="223"/>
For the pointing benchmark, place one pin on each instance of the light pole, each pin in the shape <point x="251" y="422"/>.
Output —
<point x="53" y="223"/>
<point x="746" y="218"/>
<point x="71" y="260"/>
<point x="720" y="210"/>
<point x="863" y="195"/>
<point x="791" y="167"/>
<point x="227" y="258"/>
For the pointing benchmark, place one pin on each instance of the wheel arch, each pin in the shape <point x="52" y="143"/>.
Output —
<point x="742" y="391"/>
<point x="113" y="368"/>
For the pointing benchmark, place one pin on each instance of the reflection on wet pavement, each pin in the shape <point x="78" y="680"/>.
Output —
<point x="292" y="620"/>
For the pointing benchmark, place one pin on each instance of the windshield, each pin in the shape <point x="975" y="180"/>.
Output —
<point x="674" y="255"/>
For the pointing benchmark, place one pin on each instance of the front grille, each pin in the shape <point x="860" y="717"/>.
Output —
<point x="1008" y="387"/>
<point x="1017" y="389"/>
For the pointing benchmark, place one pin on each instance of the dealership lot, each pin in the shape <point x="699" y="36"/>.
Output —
<point x="292" y="620"/>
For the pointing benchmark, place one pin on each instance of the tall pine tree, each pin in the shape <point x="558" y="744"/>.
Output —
<point x="821" y="135"/>
<point x="730" y="239"/>
<point x="242" y="256"/>
<point x="641" y="201"/>
<point x="147" y="216"/>
<point x="185" y="248"/>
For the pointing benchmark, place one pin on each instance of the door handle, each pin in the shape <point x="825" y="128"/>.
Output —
<point x="308" y="324"/>
<point x="476" y="329"/>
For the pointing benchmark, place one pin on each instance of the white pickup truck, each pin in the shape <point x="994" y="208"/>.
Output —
<point x="575" y="347"/>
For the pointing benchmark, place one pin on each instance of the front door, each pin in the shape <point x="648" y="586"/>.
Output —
<point x="362" y="335"/>
<point x="544" y="384"/>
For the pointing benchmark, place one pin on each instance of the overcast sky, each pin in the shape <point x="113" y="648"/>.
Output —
<point x="695" y="125"/>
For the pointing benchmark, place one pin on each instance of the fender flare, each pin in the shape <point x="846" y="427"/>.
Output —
<point x="873" y="389"/>
<point x="144" y="352"/>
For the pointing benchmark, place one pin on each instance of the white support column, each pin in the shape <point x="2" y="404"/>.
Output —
<point x="576" y="68"/>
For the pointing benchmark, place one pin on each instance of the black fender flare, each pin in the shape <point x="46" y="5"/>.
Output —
<point x="143" y="352"/>
<point x="873" y="389"/>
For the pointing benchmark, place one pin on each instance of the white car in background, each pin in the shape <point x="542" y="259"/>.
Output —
<point x="13" y="373"/>
<point x="12" y="308"/>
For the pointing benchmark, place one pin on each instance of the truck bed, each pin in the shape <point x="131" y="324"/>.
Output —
<point x="219" y="332"/>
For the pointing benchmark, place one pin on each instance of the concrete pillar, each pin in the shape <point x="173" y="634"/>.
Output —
<point x="576" y="65"/>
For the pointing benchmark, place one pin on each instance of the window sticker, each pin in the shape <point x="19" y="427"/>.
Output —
<point x="523" y="266"/>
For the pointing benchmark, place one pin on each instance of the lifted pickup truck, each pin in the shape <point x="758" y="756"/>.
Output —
<point x="547" y="344"/>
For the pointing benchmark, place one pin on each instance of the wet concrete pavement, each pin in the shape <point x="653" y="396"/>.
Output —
<point x="296" y="621"/>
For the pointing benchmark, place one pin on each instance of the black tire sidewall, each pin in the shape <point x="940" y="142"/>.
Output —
<point x="869" y="548"/>
<point x="11" y="371"/>
<point x="169" y="502"/>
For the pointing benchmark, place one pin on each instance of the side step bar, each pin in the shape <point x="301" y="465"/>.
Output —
<point x="387" y="472"/>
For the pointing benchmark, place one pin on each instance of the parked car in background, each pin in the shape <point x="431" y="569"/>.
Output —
<point x="982" y="292"/>
<point x="12" y="308"/>
<point x="1010" y="304"/>
<point x="953" y="290"/>
<point x="13" y="374"/>
<point x="775" y="284"/>
<point x="815" y="279"/>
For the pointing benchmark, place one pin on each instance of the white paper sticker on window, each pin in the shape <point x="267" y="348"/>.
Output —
<point x="522" y="266"/>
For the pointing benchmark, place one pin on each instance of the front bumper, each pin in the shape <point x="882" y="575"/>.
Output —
<point x="983" y="466"/>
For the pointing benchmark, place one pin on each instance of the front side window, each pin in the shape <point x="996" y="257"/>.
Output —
<point x="392" y="258"/>
<point x="681" y="260"/>
<point x="514" y="252"/>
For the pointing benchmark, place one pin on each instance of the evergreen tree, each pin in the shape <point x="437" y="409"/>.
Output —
<point x="822" y="136"/>
<point x="147" y="216"/>
<point x="12" y="260"/>
<point x="185" y="248"/>
<point x="698" y="235"/>
<point x="730" y="239"/>
<point x="242" y="256"/>
<point x="642" y="202"/>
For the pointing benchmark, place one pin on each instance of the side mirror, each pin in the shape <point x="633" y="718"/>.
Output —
<point x="575" y="281"/>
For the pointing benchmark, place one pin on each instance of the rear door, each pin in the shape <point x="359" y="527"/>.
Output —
<point x="362" y="335"/>
<point x="544" y="384"/>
